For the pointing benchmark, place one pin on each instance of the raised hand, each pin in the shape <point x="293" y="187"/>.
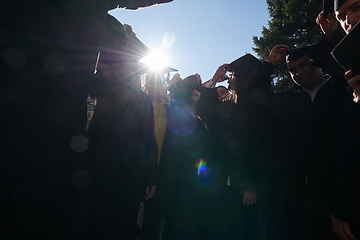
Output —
<point x="277" y="53"/>
<point x="128" y="30"/>
<point x="220" y="74"/>
<point x="327" y="24"/>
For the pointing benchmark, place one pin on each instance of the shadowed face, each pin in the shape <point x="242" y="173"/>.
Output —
<point x="195" y="96"/>
<point x="304" y="73"/>
<point x="348" y="14"/>
<point x="240" y="80"/>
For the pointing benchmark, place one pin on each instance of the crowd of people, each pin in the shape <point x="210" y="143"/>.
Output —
<point x="172" y="159"/>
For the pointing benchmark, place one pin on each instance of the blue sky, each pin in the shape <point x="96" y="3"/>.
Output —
<point x="198" y="35"/>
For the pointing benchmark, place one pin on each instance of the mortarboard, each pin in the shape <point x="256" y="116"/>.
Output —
<point x="183" y="89"/>
<point x="168" y="70"/>
<point x="245" y="62"/>
<point x="347" y="52"/>
<point x="338" y="3"/>
<point x="117" y="42"/>
<point x="134" y="4"/>
<point x="296" y="53"/>
<point x="328" y="7"/>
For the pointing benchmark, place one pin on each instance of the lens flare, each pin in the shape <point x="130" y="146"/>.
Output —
<point x="79" y="143"/>
<point x="181" y="122"/>
<point x="157" y="60"/>
<point x="206" y="178"/>
<point x="200" y="165"/>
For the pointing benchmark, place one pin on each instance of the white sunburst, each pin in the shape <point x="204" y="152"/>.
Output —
<point x="157" y="60"/>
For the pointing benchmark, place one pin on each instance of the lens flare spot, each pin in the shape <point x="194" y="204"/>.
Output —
<point x="181" y="122"/>
<point x="207" y="178"/>
<point x="79" y="143"/>
<point x="200" y="165"/>
<point x="168" y="40"/>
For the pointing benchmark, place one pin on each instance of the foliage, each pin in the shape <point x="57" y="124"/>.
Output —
<point x="292" y="22"/>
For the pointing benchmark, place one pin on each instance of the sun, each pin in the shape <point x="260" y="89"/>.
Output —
<point x="156" y="60"/>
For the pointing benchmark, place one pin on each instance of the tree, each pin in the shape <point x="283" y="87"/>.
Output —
<point x="293" y="24"/>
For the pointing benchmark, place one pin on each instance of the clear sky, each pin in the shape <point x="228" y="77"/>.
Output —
<point x="198" y="35"/>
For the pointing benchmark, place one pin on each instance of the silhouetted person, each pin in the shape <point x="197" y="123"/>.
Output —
<point x="301" y="192"/>
<point x="345" y="218"/>
<point x="50" y="50"/>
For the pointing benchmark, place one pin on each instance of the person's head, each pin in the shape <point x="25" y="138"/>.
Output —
<point x="184" y="90"/>
<point x="195" y="96"/>
<point x="303" y="71"/>
<point x="347" y="12"/>
<point x="243" y="71"/>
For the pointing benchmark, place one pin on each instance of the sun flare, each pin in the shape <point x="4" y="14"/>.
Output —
<point x="157" y="60"/>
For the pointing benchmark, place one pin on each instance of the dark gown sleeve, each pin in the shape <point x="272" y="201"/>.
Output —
<point x="347" y="205"/>
<point x="322" y="55"/>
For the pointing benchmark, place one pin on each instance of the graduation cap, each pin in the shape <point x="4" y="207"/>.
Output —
<point x="347" y="52"/>
<point x="328" y="7"/>
<point x="296" y="53"/>
<point x="168" y="70"/>
<point x="136" y="49"/>
<point x="135" y="4"/>
<point x="117" y="42"/>
<point x="338" y="3"/>
<point x="247" y="61"/>
<point x="183" y="89"/>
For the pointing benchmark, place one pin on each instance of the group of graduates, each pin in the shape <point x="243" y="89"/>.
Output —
<point x="207" y="162"/>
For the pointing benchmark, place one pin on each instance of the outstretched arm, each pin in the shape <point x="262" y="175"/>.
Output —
<point x="327" y="24"/>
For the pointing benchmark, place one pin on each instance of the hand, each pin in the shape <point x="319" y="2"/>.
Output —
<point x="198" y="78"/>
<point x="249" y="197"/>
<point x="150" y="192"/>
<point x="220" y="74"/>
<point x="128" y="30"/>
<point x="226" y="96"/>
<point x="176" y="78"/>
<point x="328" y="24"/>
<point x="354" y="83"/>
<point x="342" y="229"/>
<point x="223" y="78"/>
<point x="173" y="81"/>
<point x="276" y="53"/>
